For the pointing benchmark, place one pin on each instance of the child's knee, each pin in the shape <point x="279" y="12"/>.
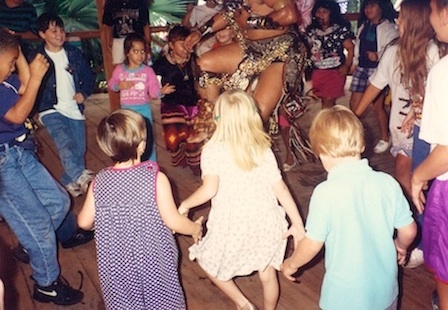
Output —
<point x="268" y="275"/>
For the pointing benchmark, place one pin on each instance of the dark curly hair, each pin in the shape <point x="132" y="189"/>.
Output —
<point x="8" y="41"/>
<point x="387" y="11"/>
<point x="335" y="14"/>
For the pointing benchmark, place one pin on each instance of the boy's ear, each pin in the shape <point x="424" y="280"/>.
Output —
<point x="42" y="35"/>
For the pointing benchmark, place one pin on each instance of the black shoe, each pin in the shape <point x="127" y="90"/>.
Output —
<point x="20" y="254"/>
<point x="81" y="236"/>
<point x="58" y="292"/>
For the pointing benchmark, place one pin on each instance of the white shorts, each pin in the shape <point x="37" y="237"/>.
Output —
<point x="118" y="51"/>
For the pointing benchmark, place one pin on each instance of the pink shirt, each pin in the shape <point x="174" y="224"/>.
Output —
<point x="146" y="86"/>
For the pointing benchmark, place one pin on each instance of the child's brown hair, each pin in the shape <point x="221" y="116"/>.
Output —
<point x="120" y="134"/>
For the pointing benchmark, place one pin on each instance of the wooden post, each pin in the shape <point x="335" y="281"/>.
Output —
<point x="114" y="98"/>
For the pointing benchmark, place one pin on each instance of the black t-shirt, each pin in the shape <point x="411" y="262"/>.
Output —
<point x="181" y="77"/>
<point x="125" y="17"/>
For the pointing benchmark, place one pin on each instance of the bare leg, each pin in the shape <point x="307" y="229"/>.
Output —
<point x="328" y="102"/>
<point x="442" y="291"/>
<point x="2" y="295"/>
<point x="271" y="290"/>
<point x="231" y="290"/>
<point x="403" y="172"/>
<point x="284" y="131"/>
<point x="269" y="89"/>
<point x="354" y="100"/>
<point x="381" y="117"/>
<point x="221" y="60"/>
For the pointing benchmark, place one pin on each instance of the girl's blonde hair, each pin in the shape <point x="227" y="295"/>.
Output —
<point x="240" y="128"/>
<point x="337" y="132"/>
<point x="413" y="44"/>
<point x="120" y="134"/>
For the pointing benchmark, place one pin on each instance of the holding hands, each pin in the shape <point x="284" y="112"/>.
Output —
<point x="296" y="231"/>
<point x="288" y="269"/>
<point x="197" y="234"/>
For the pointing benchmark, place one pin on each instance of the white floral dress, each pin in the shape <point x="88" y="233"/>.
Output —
<point x="246" y="224"/>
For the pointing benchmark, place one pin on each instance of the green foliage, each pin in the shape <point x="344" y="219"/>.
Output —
<point x="163" y="12"/>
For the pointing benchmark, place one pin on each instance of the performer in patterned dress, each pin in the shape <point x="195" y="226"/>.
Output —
<point x="270" y="50"/>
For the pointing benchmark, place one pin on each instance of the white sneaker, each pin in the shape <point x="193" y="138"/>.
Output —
<point x="415" y="259"/>
<point x="84" y="179"/>
<point x="382" y="146"/>
<point x="73" y="189"/>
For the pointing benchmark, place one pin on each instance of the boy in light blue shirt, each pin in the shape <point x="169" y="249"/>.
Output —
<point x="354" y="213"/>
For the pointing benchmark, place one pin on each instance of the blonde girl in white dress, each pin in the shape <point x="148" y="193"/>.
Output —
<point x="246" y="229"/>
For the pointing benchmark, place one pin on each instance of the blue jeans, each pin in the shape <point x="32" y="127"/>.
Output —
<point x="34" y="205"/>
<point x="69" y="135"/>
<point x="67" y="228"/>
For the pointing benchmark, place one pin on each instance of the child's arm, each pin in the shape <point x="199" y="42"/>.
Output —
<point x="204" y="193"/>
<point x="350" y="47"/>
<point x="23" y="70"/>
<point x="434" y="165"/>
<point x="169" y="214"/>
<point x="367" y="98"/>
<point x="304" y="253"/>
<point x="86" y="216"/>
<point x="283" y="195"/>
<point x="405" y="236"/>
<point x="115" y="84"/>
<point x="37" y="69"/>
<point x="86" y="77"/>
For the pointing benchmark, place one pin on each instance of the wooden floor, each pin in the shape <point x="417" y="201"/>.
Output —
<point x="416" y="284"/>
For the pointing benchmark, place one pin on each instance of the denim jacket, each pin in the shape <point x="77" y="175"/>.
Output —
<point x="83" y="77"/>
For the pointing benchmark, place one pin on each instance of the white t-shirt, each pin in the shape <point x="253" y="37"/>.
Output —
<point x="202" y="14"/>
<point x="387" y="73"/>
<point x="65" y="89"/>
<point x="434" y="125"/>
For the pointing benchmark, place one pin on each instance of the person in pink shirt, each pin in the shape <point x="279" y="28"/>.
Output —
<point x="138" y="84"/>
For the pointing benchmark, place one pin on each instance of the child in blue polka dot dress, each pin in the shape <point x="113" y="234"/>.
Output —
<point x="247" y="228"/>
<point x="133" y="210"/>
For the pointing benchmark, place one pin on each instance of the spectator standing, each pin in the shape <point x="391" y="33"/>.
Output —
<point x="65" y="87"/>
<point x="121" y="18"/>
<point x="329" y="35"/>
<point x="376" y="30"/>
<point x="20" y="17"/>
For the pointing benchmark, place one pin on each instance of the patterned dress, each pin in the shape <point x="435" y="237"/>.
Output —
<point x="137" y="253"/>
<point x="245" y="226"/>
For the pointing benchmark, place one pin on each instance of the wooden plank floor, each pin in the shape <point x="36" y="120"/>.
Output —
<point x="416" y="284"/>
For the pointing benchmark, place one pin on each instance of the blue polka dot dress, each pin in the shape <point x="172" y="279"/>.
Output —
<point x="137" y="253"/>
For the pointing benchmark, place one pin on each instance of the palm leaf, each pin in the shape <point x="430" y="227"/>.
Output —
<point x="163" y="12"/>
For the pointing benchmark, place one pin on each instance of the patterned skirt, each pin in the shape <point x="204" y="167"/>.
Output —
<point x="177" y="127"/>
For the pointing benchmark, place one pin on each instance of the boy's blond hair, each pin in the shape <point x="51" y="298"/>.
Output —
<point x="239" y="126"/>
<point x="337" y="132"/>
<point x="120" y="134"/>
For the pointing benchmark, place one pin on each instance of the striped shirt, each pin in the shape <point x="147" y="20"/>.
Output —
<point x="19" y="19"/>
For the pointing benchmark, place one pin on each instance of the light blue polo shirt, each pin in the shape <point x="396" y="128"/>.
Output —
<point x="355" y="212"/>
